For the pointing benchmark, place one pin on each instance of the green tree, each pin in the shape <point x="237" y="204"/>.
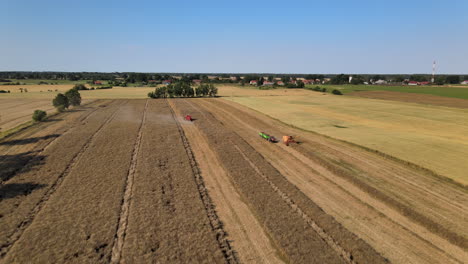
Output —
<point x="81" y="87"/>
<point x="212" y="91"/>
<point x="61" y="102"/>
<point x="357" y="79"/>
<point x="73" y="96"/>
<point x="39" y="115"/>
<point x="300" y="84"/>
<point x="439" y="80"/>
<point x="419" y="78"/>
<point x="452" y="79"/>
<point x="378" y="77"/>
<point x="340" y="79"/>
<point x="285" y="79"/>
<point x="337" y="92"/>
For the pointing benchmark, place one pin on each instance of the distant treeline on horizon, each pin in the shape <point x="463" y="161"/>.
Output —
<point x="140" y="77"/>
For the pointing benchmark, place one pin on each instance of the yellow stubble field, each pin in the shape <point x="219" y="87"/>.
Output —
<point x="433" y="137"/>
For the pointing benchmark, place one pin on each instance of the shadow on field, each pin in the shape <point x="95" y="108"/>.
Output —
<point x="76" y="110"/>
<point x="11" y="164"/>
<point x="25" y="141"/>
<point x="12" y="190"/>
<point x="53" y="120"/>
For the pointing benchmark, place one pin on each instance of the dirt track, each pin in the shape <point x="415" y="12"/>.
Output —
<point x="129" y="181"/>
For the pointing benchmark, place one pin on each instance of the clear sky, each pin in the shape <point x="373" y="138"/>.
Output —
<point x="334" y="36"/>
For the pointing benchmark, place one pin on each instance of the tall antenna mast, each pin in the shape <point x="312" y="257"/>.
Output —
<point x="433" y="71"/>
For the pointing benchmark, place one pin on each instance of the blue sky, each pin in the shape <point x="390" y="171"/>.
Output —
<point x="335" y="36"/>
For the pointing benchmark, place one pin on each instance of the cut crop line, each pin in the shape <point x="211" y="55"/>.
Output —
<point x="40" y="148"/>
<point x="119" y="239"/>
<point x="346" y="256"/>
<point x="55" y="185"/>
<point x="215" y="222"/>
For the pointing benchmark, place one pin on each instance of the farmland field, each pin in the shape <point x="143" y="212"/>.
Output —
<point x="16" y="112"/>
<point x="452" y="91"/>
<point x="130" y="181"/>
<point x="426" y="99"/>
<point x="433" y="137"/>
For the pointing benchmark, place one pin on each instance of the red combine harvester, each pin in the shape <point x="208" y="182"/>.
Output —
<point x="188" y="118"/>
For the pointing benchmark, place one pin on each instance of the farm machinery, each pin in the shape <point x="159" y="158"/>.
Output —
<point x="269" y="138"/>
<point x="188" y="118"/>
<point x="288" y="139"/>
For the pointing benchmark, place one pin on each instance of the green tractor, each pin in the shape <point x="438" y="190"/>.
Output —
<point x="269" y="138"/>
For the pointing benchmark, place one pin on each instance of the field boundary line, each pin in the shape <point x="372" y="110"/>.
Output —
<point x="215" y="222"/>
<point x="40" y="148"/>
<point x="121" y="231"/>
<point x="4" y="249"/>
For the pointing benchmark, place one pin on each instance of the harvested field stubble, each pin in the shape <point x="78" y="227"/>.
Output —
<point x="436" y="201"/>
<point x="284" y="222"/>
<point x="387" y="181"/>
<point x="79" y="220"/>
<point x="25" y="147"/>
<point x="168" y="221"/>
<point x="20" y="210"/>
<point x="14" y="112"/>
<point x="432" y="137"/>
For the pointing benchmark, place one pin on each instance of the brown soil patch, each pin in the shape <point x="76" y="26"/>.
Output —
<point x="413" y="98"/>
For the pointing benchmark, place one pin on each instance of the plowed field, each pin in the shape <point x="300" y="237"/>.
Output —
<point x="131" y="181"/>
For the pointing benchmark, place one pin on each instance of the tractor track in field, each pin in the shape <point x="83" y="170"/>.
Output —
<point x="119" y="239"/>
<point x="16" y="235"/>
<point x="345" y="256"/>
<point x="215" y="222"/>
<point x="40" y="148"/>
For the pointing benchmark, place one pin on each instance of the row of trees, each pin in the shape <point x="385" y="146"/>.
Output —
<point x="60" y="102"/>
<point x="360" y="79"/>
<point x="124" y="78"/>
<point x="184" y="89"/>
<point x="63" y="101"/>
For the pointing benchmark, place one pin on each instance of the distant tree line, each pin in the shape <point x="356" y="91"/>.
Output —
<point x="184" y="89"/>
<point x="152" y="79"/>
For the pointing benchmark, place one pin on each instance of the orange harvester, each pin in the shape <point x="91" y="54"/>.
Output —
<point x="288" y="139"/>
